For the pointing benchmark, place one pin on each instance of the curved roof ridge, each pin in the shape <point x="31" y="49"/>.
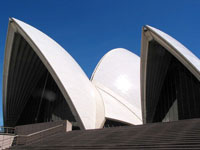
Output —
<point x="109" y="52"/>
<point x="66" y="72"/>
<point x="183" y="51"/>
<point x="118" y="72"/>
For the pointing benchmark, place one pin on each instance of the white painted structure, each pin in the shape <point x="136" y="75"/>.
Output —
<point x="179" y="51"/>
<point x="117" y="85"/>
<point x="117" y="77"/>
<point x="85" y="101"/>
<point x="89" y="105"/>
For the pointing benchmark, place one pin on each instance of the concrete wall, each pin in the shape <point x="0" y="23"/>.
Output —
<point x="28" y="134"/>
<point x="6" y="141"/>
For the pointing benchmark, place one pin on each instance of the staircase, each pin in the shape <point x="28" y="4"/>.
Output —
<point x="183" y="134"/>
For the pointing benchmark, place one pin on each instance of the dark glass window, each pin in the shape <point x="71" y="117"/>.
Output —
<point x="112" y="123"/>
<point x="32" y="94"/>
<point x="172" y="91"/>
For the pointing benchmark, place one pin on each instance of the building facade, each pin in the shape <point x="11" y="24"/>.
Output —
<point x="43" y="83"/>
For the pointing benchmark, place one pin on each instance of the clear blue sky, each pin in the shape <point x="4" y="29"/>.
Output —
<point x="88" y="29"/>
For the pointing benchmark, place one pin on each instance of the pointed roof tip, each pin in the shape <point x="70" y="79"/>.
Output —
<point x="150" y="27"/>
<point x="10" y="19"/>
<point x="146" y="27"/>
<point x="17" y="20"/>
<point x="176" y="47"/>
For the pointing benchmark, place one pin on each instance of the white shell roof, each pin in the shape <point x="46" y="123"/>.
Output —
<point x="178" y="47"/>
<point x="116" y="108"/>
<point x="184" y="55"/>
<point x="118" y="75"/>
<point x="68" y="75"/>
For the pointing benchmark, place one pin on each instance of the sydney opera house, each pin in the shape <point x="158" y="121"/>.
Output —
<point x="43" y="83"/>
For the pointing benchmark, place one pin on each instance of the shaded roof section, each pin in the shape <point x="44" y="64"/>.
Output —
<point x="117" y="76"/>
<point x="70" y="78"/>
<point x="33" y="96"/>
<point x="177" y="49"/>
<point x="159" y="52"/>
